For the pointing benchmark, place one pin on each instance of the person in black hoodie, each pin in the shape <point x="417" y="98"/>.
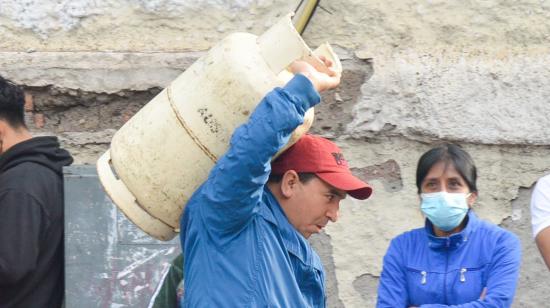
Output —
<point x="31" y="209"/>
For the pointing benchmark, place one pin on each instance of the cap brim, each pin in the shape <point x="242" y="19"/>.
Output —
<point x="348" y="183"/>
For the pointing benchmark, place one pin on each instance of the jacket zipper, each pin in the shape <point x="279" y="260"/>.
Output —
<point x="464" y="270"/>
<point x="423" y="273"/>
<point x="446" y="269"/>
<point x="462" y="276"/>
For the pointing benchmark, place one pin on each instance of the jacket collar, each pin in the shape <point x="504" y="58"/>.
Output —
<point x="453" y="241"/>
<point x="294" y="242"/>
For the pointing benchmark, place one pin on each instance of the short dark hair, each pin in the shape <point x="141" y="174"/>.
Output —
<point x="449" y="153"/>
<point x="12" y="103"/>
<point x="303" y="176"/>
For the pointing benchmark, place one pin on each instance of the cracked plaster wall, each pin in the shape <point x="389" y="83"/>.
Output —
<point x="415" y="73"/>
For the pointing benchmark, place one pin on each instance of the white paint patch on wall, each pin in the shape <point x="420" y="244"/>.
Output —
<point x="168" y="6"/>
<point x="457" y="97"/>
<point x="45" y="17"/>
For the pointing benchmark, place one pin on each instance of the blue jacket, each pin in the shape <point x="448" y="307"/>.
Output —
<point x="240" y="250"/>
<point x="423" y="270"/>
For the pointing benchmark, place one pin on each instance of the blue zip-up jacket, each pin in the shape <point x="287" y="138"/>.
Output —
<point x="240" y="249"/>
<point x="423" y="270"/>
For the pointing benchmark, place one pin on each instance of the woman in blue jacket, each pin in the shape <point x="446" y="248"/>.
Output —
<point x="457" y="259"/>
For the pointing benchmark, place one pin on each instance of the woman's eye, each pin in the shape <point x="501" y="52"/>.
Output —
<point x="455" y="184"/>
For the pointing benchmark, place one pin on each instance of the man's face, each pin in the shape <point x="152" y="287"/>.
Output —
<point x="312" y="205"/>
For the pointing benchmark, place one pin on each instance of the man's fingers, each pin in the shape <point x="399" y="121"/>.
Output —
<point x="299" y="67"/>
<point x="332" y="73"/>
<point x="326" y="61"/>
<point x="322" y="77"/>
<point x="317" y="63"/>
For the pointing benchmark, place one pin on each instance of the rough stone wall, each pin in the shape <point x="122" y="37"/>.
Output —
<point x="416" y="73"/>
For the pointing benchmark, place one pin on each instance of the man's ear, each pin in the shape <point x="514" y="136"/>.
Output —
<point x="3" y="127"/>
<point x="289" y="183"/>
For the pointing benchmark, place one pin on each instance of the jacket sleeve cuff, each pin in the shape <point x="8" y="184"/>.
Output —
<point x="301" y="88"/>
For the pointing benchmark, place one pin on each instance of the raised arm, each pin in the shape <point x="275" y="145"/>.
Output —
<point x="230" y="195"/>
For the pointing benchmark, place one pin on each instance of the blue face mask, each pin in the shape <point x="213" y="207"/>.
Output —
<point x="445" y="210"/>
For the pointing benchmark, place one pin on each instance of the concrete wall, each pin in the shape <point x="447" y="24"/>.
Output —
<point x="415" y="73"/>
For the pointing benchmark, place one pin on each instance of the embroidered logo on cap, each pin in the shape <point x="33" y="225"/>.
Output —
<point x="339" y="158"/>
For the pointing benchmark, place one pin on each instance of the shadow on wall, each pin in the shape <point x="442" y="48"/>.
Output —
<point x="336" y="110"/>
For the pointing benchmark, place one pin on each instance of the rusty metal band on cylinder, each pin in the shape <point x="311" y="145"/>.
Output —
<point x="187" y="128"/>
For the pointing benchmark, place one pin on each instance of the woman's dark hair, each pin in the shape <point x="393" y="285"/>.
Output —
<point x="12" y="103"/>
<point x="448" y="153"/>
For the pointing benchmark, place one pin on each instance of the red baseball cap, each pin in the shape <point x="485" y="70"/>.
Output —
<point x="314" y="154"/>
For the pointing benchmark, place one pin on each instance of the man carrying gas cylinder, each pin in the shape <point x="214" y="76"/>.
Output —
<point x="244" y="231"/>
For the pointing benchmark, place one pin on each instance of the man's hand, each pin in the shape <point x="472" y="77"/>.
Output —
<point x="321" y="73"/>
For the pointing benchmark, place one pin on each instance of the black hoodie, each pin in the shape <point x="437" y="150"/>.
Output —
<point x="31" y="224"/>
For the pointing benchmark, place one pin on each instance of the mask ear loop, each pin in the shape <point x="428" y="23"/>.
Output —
<point x="468" y="196"/>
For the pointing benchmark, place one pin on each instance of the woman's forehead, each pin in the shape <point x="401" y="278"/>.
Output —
<point x="443" y="168"/>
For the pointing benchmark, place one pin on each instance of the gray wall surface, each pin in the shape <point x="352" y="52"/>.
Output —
<point x="416" y="73"/>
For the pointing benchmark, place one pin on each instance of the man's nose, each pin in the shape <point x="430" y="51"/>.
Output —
<point x="334" y="212"/>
